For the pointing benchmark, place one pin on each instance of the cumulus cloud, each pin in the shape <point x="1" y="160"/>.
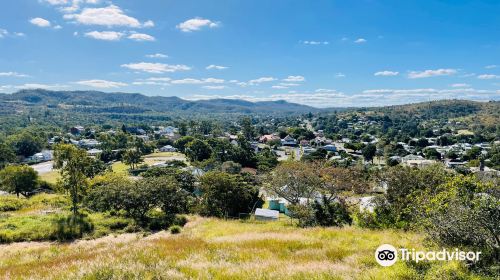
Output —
<point x="431" y="73"/>
<point x="294" y="79"/>
<point x="141" y="37"/>
<point x="101" y="84"/>
<point x="109" y="16"/>
<point x="42" y="86"/>
<point x="360" y="41"/>
<point x="216" y="67"/>
<point x="315" y="42"/>
<point x="214" y="87"/>
<point x="41" y="22"/>
<point x="488" y="77"/>
<point x="196" y="24"/>
<point x="279" y="87"/>
<point x="156" y="67"/>
<point x="105" y="35"/>
<point x="157" y="55"/>
<point x="13" y="74"/>
<point x="386" y="73"/>
<point x="490" y="66"/>
<point x="198" y="81"/>
<point x="261" y="80"/>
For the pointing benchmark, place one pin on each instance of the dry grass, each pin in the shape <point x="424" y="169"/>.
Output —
<point x="215" y="249"/>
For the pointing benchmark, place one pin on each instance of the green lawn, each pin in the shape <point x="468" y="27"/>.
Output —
<point x="51" y="177"/>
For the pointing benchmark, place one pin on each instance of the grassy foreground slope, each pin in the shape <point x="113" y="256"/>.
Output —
<point x="216" y="249"/>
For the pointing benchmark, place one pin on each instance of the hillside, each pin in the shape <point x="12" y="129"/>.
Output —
<point x="218" y="249"/>
<point x="102" y="102"/>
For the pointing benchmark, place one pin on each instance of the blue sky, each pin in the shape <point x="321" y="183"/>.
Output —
<point x="320" y="53"/>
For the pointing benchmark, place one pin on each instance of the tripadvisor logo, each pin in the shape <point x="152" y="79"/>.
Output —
<point x="387" y="255"/>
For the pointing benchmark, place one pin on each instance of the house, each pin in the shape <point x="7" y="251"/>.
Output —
<point x="304" y="143"/>
<point x="416" y="161"/>
<point x="268" y="137"/>
<point x="94" y="152"/>
<point x="44" y="155"/>
<point x="330" y="148"/>
<point x="266" y="214"/>
<point x="168" y="148"/>
<point x="77" y="130"/>
<point x="288" y="141"/>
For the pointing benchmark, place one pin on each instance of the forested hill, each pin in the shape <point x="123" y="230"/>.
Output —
<point x="102" y="102"/>
<point x="441" y="109"/>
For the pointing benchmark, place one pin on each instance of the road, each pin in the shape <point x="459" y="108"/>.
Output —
<point x="43" y="167"/>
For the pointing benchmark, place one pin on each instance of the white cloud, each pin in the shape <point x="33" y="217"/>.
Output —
<point x="214" y="87"/>
<point x="360" y="41"/>
<point x="141" y="37"/>
<point x="460" y="85"/>
<point x="149" y="23"/>
<point x="490" y="66"/>
<point x="160" y="79"/>
<point x="41" y="22"/>
<point x="42" y="86"/>
<point x="386" y="73"/>
<point x="339" y="75"/>
<point x="315" y="42"/>
<point x="56" y="2"/>
<point x="101" y="84"/>
<point x="156" y="67"/>
<point x="431" y="73"/>
<point x="289" y="84"/>
<point x="488" y="77"/>
<point x="216" y="67"/>
<point x="105" y="35"/>
<point x="157" y="55"/>
<point x="261" y="80"/>
<point x="325" y="90"/>
<point x="294" y="79"/>
<point x="109" y="16"/>
<point x="3" y="33"/>
<point x="196" y="24"/>
<point x="198" y="81"/>
<point x="279" y="87"/>
<point x="13" y="74"/>
<point x="58" y="27"/>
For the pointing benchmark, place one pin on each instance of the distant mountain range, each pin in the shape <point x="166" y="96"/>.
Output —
<point x="104" y="102"/>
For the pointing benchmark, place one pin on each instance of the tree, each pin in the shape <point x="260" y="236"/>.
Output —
<point x="231" y="167"/>
<point x="293" y="180"/>
<point x="26" y="144"/>
<point x="18" y="179"/>
<point x="198" y="150"/>
<point x="369" y="152"/>
<point x="181" y="143"/>
<point x="266" y="160"/>
<point x="431" y="153"/>
<point x="132" y="157"/>
<point x="247" y="129"/>
<point x="227" y="195"/>
<point x="7" y="155"/>
<point x="465" y="213"/>
<point x="72" y="163"/>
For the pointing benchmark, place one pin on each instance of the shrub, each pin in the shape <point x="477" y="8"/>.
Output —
<point x="180" y="220"/>
<point x="175" y="229"/>
<point x="73" y="226"/>
<point x="12" y="203"/>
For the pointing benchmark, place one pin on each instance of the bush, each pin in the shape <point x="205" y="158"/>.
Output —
<point x="180" y="220"/>
<point x="175" y="229"/>
<point x="12" y="203"/>
<point x="73" y="226"/>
